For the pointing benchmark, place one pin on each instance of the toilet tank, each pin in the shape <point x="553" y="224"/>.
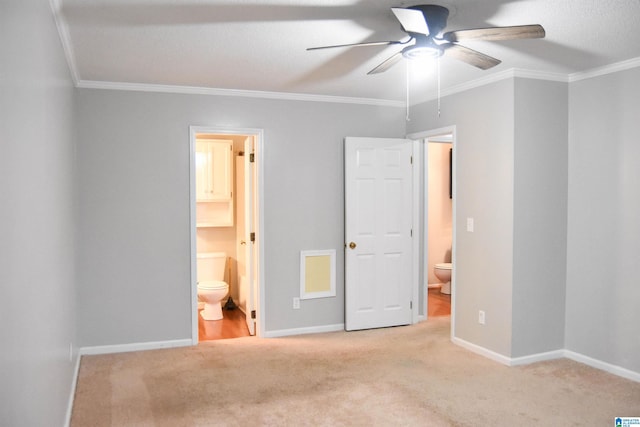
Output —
<point x="210" y="266"/>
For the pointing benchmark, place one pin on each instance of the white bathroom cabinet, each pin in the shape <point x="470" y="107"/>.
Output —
<point x="214" y="183"/>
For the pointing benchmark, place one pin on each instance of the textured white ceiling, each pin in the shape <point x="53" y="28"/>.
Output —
<point x="260" y="45"/>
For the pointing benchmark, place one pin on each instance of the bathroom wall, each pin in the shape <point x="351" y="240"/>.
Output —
<point x="440" y="207"/>
<point x="134" y="257"/>
<point x="37" y="219"/>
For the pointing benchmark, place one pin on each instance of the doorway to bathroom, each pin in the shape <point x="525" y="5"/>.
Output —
<point x="226" y="218"/>
<point x="439" y="218"/>
<point x="435" y="194"/>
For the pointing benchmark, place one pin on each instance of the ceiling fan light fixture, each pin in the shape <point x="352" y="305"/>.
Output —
<point x="421" y="52"/>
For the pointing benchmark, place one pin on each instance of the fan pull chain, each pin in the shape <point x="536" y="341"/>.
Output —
<point x="407" y="118"/>
<point x="438" y="60"/>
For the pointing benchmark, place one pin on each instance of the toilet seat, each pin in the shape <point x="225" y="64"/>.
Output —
<point x="211" y="285"/>
<point x="444" y="266"/>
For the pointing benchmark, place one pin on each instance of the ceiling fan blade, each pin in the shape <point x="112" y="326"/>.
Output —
<point x="497" y="33"/>
<point x="385" y="43"/>
<point x="386" y="64"/>
<point x="412" y="20"/>
<point x="470" y="56"/>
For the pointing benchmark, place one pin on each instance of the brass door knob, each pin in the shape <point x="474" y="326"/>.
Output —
<point x="352" y="245"/>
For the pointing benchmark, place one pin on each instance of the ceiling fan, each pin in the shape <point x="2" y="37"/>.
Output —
<point x="424" y="25"/>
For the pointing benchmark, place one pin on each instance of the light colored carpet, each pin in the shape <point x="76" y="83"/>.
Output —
<point x="405" y="376"/>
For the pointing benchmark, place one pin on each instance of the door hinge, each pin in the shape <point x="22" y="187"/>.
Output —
<point x="411" y="304"/>
<point x="253" y="314"/>
<point x="411" y="159"/>
<point x="252" y="237"/>
<point x="411" y="232"/>
<point x="252" y="158"/>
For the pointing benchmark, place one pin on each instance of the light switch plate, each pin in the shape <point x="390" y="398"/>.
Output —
<point x="470" y="225"/>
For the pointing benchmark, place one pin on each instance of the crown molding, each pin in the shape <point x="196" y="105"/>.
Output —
<point x="496" y="77"/>
<point x="540" y="75"/>
<point x="194" y="90"/>
<point x="65" y="39"/>
<point x="491" y="78"/>
<point x="607" y="69"/>
<point x="506" y="74"/>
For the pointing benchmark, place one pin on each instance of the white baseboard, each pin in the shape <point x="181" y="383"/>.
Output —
<point x="538" y="357"/>
<point x="72" y="392"/>
<point x="603" y="366"/>
<point x="497" y="357"/>
<point x="550" y="355"/>
<point x="302" y="331"/>
<point x="123" y="348"/>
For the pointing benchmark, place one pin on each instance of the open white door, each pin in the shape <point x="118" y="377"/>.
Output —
<point x="378" y="241"/>
<point x="250" y="246"/>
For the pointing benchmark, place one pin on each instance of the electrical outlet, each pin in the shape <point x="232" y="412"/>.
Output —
<point x="481" y="317"/>
<point x="296" y="303"/>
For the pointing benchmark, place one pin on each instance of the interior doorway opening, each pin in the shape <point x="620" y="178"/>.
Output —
<point x="226" y="242"/>
<point x="422" y="196"/>
<point x="439" y="209"/>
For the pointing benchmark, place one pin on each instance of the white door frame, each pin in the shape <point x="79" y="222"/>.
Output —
<point x="258" y="134"/>
<point x="420" y="187"/>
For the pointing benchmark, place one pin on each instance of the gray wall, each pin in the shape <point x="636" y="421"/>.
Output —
<point x="484" y="150"/>
<point x="133" y="158"/>
<point x="540" y="216"/>
<point x="603" y="244"/>
<point x="556" y="179"/>
<point x="37" y="283"/>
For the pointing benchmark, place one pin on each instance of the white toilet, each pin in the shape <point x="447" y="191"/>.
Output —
<point x="443" y="273"/>
<point x="211" y="285"/>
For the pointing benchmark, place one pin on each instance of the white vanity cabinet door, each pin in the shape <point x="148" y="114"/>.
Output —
<point x="213" y="170"/>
